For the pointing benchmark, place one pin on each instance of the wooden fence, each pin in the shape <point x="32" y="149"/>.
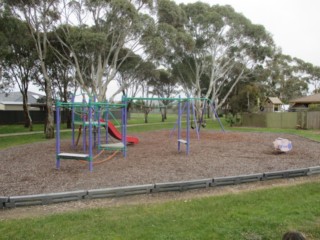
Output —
<point x="304" y="120"/>
<point x="17" y="117"/>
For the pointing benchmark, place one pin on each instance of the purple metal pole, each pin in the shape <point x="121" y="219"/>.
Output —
<point x="124" y="126"/>
<point x="99" y="125"/>
<point x="94" y="117"/>
<point x="188" y="125"/>
<point x="84" y="128"/>
<point x="57" y="135"/>
<point x="107" y="121"/>
<point x="72" y="120"/>
<point x="214" y="111"/>
<point x="179" y="123"/>
<point x="90" y="137"/>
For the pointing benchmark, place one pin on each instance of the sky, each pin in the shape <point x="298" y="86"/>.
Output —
<point x="293" y="24"/>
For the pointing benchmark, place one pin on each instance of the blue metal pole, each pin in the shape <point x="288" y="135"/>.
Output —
<point x="90" y="137"/>
<point x="84" y="128"/>
<point x="57" y="135"/>
<point x="214" y="111"/>
<point x="72" y="121"/>
<point x="179" y="123"/>
<point x="124" y="126"/>
<point x="99" y="125"/>
<point x="188" y="125"/>
<point x="107" y="121"/>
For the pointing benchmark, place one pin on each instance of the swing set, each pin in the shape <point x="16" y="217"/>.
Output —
<point x="184" y="105"/>
<point x="92" y="119"/>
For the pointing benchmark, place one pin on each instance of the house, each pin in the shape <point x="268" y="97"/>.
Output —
<point x="273" y="104"/>
<point x="13" y="101"/>
<point x="304" y="102"/>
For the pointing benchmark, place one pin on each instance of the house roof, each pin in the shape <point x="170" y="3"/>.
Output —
<point x="308" y="99"/>
<point x="16" y="98"/>
<point x="274" y="100"/>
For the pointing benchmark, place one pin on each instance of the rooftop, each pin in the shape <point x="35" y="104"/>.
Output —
<point x="308" y="99"/>
<point x="16" y="98"/>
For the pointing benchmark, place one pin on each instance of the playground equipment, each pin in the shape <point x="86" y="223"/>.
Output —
<point x="184" y="104"/>
<point x="282" y="145"/>
<point x="92" y="120"/>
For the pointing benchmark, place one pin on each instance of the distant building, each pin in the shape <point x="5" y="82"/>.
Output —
<point x="304" y="102"/>
<point x="273" y="104"/>
<point x="14" y="102"/>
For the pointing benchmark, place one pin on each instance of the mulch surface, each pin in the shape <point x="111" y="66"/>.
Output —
<point x="30" y="168"/>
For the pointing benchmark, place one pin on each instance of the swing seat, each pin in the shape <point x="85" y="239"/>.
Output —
<point x="112" y="146"/>
<point x="74" y="156"/>
<point x="182" y="141"/>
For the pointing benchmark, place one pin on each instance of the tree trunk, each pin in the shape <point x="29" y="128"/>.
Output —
<point x="28" y="120"/>
<point x="49" y="124"/>
<point x="68" y="118"/>
<point x="27" y="117"/>
<point x="146" y="116"/>
<point x="162" y="111"/>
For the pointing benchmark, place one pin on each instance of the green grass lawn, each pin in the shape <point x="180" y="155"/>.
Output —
<point x="260" y="214"/>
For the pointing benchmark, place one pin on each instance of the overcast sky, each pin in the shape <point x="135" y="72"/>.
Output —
<point x="294" y="24"/>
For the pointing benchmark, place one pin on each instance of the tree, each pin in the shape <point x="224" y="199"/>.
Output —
<point x="287" y="77"/>
<point x="165" y="87"/>
<point x="311" y="74"/>
<point x="40" y="17"/>
<point x="245" y="99"/>
<point x="97" y="51"/>
<point x="212" y="43"/>
<point x="132" y="72"/>
<point x="5" y="83"/>
<point x="20" y="62"/>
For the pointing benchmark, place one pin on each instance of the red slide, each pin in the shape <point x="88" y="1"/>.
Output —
<point x="114" y="132"/>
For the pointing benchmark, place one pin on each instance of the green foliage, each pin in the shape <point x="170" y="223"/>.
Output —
<point x="262" y="214"/>
<point x="314" y="107"/>
<point x="244" y="99"/>
<point x="232" y="119"/>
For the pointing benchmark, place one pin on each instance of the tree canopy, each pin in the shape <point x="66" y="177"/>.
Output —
<point x="204" y="50"/>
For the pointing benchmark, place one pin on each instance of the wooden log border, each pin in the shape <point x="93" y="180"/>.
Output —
<point x="51" y="198"/>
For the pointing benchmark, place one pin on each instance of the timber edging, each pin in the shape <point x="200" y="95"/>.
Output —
<point x="50" y="198"/>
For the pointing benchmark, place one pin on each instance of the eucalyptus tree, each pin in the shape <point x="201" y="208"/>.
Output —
<point x="40" y="15"/>
<point x="5" y="84"/>
<point x="131" y="73"/>
<point x="165" y="86"/>
<point x="20" y="62"/>
<point x="310" y="74"/>
<point x="148" y="74"/>
<point x="62" y="75"/>
<point x="213" y="43"/>
<point x="96" y="34"/>
<point x="287" y="78"/>
<point x="228" y="46"/>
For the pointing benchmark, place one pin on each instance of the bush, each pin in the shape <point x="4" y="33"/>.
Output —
<point x="233" y="119"/>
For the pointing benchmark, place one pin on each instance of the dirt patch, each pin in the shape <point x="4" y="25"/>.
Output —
<point x="30" y="169"/>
